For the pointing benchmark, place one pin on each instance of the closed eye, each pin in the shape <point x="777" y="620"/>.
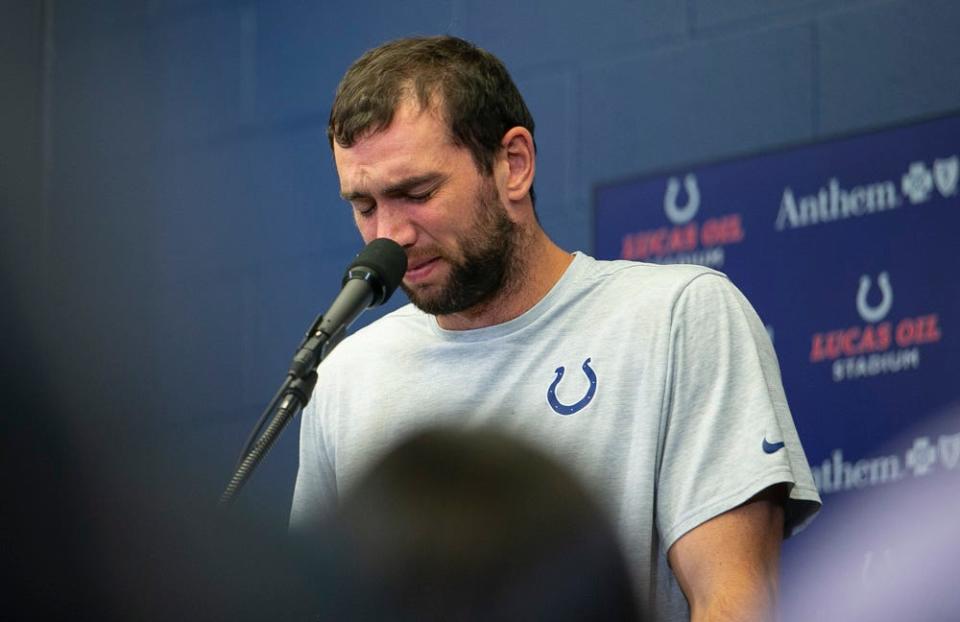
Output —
<point x="364" y="210"/>
<point x="422" y="197"/>
<point x="416" y="189"/>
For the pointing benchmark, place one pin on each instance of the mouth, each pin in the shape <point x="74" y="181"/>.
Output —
<point x="420" y="269"/>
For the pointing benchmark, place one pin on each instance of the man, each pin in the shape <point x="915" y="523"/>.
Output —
<point x="657" y="384"/>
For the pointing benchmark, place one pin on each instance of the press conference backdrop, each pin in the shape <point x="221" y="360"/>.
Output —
<point x="848" y="250"/>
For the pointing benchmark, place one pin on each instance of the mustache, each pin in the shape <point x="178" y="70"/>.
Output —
<point x="423" y="255"/>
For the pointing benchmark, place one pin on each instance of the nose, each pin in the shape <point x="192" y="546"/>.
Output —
<point x="393" y="223"/>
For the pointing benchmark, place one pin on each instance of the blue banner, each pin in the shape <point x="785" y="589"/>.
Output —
<point x="848" y="250"/>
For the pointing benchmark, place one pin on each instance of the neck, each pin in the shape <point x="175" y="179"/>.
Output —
<point x="539" y="265"/>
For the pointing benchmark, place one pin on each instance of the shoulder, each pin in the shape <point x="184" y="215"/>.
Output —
<point x="668" y="281"/>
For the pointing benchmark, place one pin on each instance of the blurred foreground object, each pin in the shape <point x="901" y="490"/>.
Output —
<point x="888" y="553"/>
<point x="457" y="525"/>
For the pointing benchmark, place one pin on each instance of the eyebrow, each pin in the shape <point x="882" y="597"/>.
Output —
<point x="400" y="188"/>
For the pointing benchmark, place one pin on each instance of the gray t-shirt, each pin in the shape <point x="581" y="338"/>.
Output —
<point x="657" y="385"/>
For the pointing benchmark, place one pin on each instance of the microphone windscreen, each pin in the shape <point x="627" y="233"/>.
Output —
<point x="385" y="258"/>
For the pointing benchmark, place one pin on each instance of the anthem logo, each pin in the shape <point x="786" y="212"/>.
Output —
<point x="686" y="240"/>
<point x="946" y="173"/>
<point x="834" y="202"/>
<point x="879" y="345"/>
<point x="917" y="183"/>
<point x="925" y="455"/>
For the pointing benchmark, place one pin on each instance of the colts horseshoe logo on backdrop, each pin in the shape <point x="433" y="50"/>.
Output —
<point x="876" y="313"/>
<point x="681" y="215"/>
<point x="564" y="409"/>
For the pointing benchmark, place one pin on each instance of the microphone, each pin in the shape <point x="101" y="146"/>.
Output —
<point x="370" y="280"/>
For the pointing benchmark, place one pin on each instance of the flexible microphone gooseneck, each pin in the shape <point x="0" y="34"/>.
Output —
<point x="369" y="281"/>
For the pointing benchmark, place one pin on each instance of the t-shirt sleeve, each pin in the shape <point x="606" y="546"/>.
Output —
<point x="727" y="429"/>
<point x="315" y="490"/>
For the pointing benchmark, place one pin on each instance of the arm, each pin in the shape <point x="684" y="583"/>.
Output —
<point x="728" y="566"/>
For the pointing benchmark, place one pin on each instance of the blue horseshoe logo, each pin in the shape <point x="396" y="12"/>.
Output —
<point x="563" y="409"/>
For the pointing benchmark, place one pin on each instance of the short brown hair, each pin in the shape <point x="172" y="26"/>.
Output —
<point x="477" y="97"/>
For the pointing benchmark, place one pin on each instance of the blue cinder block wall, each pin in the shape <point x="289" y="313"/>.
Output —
<point x="185" y="226"/>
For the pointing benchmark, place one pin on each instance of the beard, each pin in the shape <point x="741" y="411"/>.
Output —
<point x="488" y="264"/>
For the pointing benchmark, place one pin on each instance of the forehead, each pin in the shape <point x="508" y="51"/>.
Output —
<point x="416" y="140"/>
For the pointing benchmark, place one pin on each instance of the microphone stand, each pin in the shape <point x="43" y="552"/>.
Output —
<point x="293" y="395"/>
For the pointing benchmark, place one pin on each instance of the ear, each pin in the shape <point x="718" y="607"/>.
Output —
<point x="518" y="150"/>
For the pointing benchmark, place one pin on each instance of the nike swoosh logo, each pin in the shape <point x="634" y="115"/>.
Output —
<point x="772" y="448"/>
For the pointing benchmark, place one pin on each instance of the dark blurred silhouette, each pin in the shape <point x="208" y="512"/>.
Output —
<point x="474" y="525"/>
<point x="80" y="543"/>
<point x="96" y="527"/>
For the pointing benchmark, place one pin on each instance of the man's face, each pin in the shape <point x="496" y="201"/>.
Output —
<point x="411" y="184"/>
